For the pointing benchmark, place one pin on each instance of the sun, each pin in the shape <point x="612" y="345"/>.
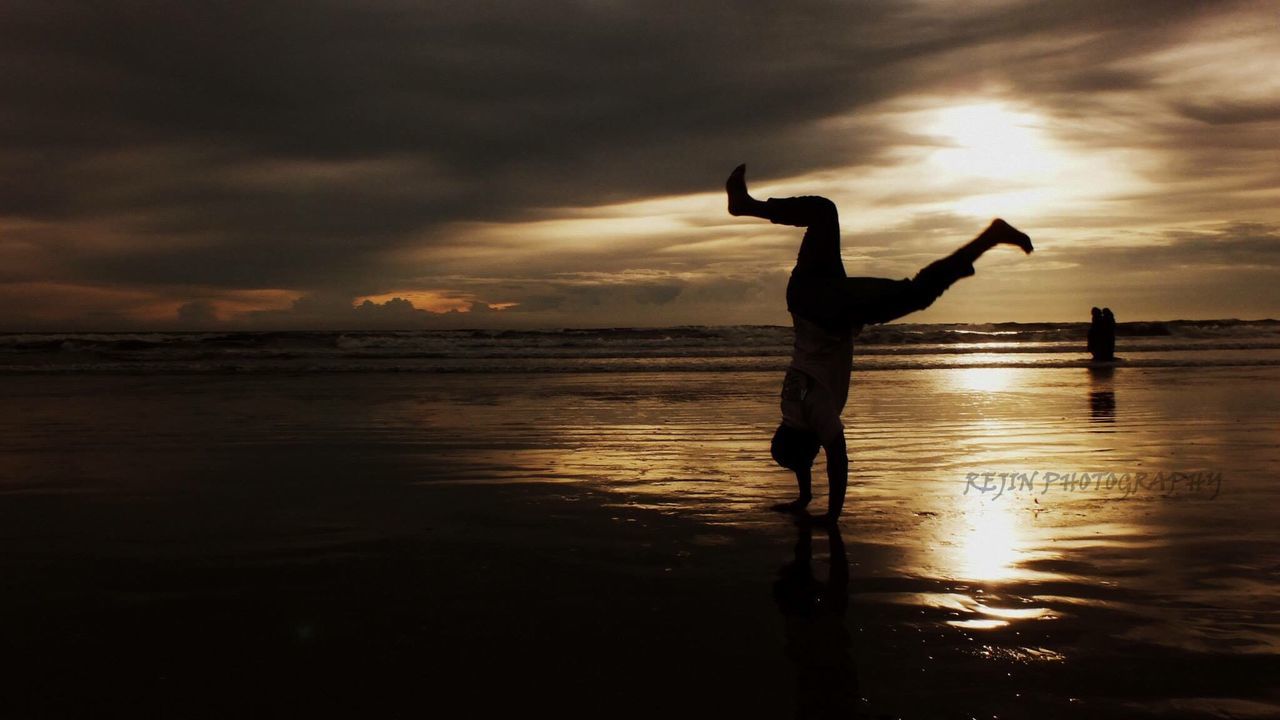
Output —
<point x="990" y="140"/>
<point x="1009" y="153"/>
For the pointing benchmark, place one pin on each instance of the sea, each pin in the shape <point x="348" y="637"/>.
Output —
<point x="742" y="348"/>
<point x="385" y="524"/>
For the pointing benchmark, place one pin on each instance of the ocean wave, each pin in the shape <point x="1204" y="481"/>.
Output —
<point x="294" y="365"/>
<point x="903" y="345"/>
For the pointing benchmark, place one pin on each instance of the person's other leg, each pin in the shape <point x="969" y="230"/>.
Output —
<point x="819" y="254"/>
<point x="820" y="250"/>
<point x="813" y="291"/>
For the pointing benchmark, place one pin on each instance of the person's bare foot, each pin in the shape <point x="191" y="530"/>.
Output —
<point x="736" y="187"/>
<point x="1001" y="232"/>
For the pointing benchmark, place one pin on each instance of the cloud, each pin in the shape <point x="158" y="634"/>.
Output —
<point x="197" y="314"/>
<point x="1231" y="113"/>
<point x="341" y="150"/>
<point x="1230" y="246"/>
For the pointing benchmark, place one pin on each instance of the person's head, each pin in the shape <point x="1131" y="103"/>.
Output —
<point x="793" y="448"/>
<point x="1096" y="313"/>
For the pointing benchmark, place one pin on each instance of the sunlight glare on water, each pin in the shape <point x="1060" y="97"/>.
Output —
<point x="989" y="545"/>
<point x="983" y="379"/>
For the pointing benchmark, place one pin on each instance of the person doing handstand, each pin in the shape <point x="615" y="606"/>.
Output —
<point x="827" y="310"/>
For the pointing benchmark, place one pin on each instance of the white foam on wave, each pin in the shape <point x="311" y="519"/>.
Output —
<point x="732" y="348"/>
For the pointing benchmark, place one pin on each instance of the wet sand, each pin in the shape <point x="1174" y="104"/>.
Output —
<point x="599" y="545"/>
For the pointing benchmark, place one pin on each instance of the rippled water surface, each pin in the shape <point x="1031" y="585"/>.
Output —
<point x="1020" y="542"/>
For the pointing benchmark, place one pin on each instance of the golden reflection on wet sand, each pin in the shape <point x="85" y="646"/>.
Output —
<point x="989" y="545"/>
<point x="698" y="446"/>
<point x="952" y="568"/>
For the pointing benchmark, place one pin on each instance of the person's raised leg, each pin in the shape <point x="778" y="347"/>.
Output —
<point x="878" y="300"/>
<point x="939" y="275"/>
<point x="998" y="232"/>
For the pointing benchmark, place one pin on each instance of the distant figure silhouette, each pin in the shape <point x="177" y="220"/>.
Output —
<point x="1102" y="335"/>
<point x="1109" y="333"/>
<point x="827" y="310"/>
<point x="1095" y="327"/>
<point x="818" y="641"/>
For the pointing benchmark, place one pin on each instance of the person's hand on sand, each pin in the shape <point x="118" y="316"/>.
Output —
<point x="827" y="519"/>
<point x="795" y="507"/>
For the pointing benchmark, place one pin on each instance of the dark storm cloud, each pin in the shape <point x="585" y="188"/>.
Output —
<point x="296" y="144"/>
<point x="1234" y="245"/>
<point x="1231" y="113"/>
<point x="152" y="117"/>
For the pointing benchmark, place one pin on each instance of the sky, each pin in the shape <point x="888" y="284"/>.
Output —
<point x="398" y="165"/>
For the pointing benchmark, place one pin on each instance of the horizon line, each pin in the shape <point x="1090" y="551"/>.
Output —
<point x="554" y="328"/>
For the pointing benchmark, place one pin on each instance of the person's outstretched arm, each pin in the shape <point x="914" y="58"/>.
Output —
<point x="804" y="479"/>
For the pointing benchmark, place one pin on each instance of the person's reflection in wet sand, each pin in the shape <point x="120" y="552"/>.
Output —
<point x="1102" y="398"/>
<point x="818" y="641"/>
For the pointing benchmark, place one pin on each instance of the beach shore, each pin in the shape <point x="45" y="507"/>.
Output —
<point x="1021" y="542"/>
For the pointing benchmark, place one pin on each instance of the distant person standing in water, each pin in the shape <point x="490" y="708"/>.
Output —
<point x="1102" y="335"/>
<point x="827" y="310"/>
<point x="1108" y="334"/>
<point x="1094" y="343"/>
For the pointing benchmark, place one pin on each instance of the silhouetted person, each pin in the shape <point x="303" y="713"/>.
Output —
<point x="827" y="310"/>
<point x="1102" y="335"/>
<point x="1095" y="330"/>
<point x="818" y="641"/>
<point x="1108" y="334"/>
